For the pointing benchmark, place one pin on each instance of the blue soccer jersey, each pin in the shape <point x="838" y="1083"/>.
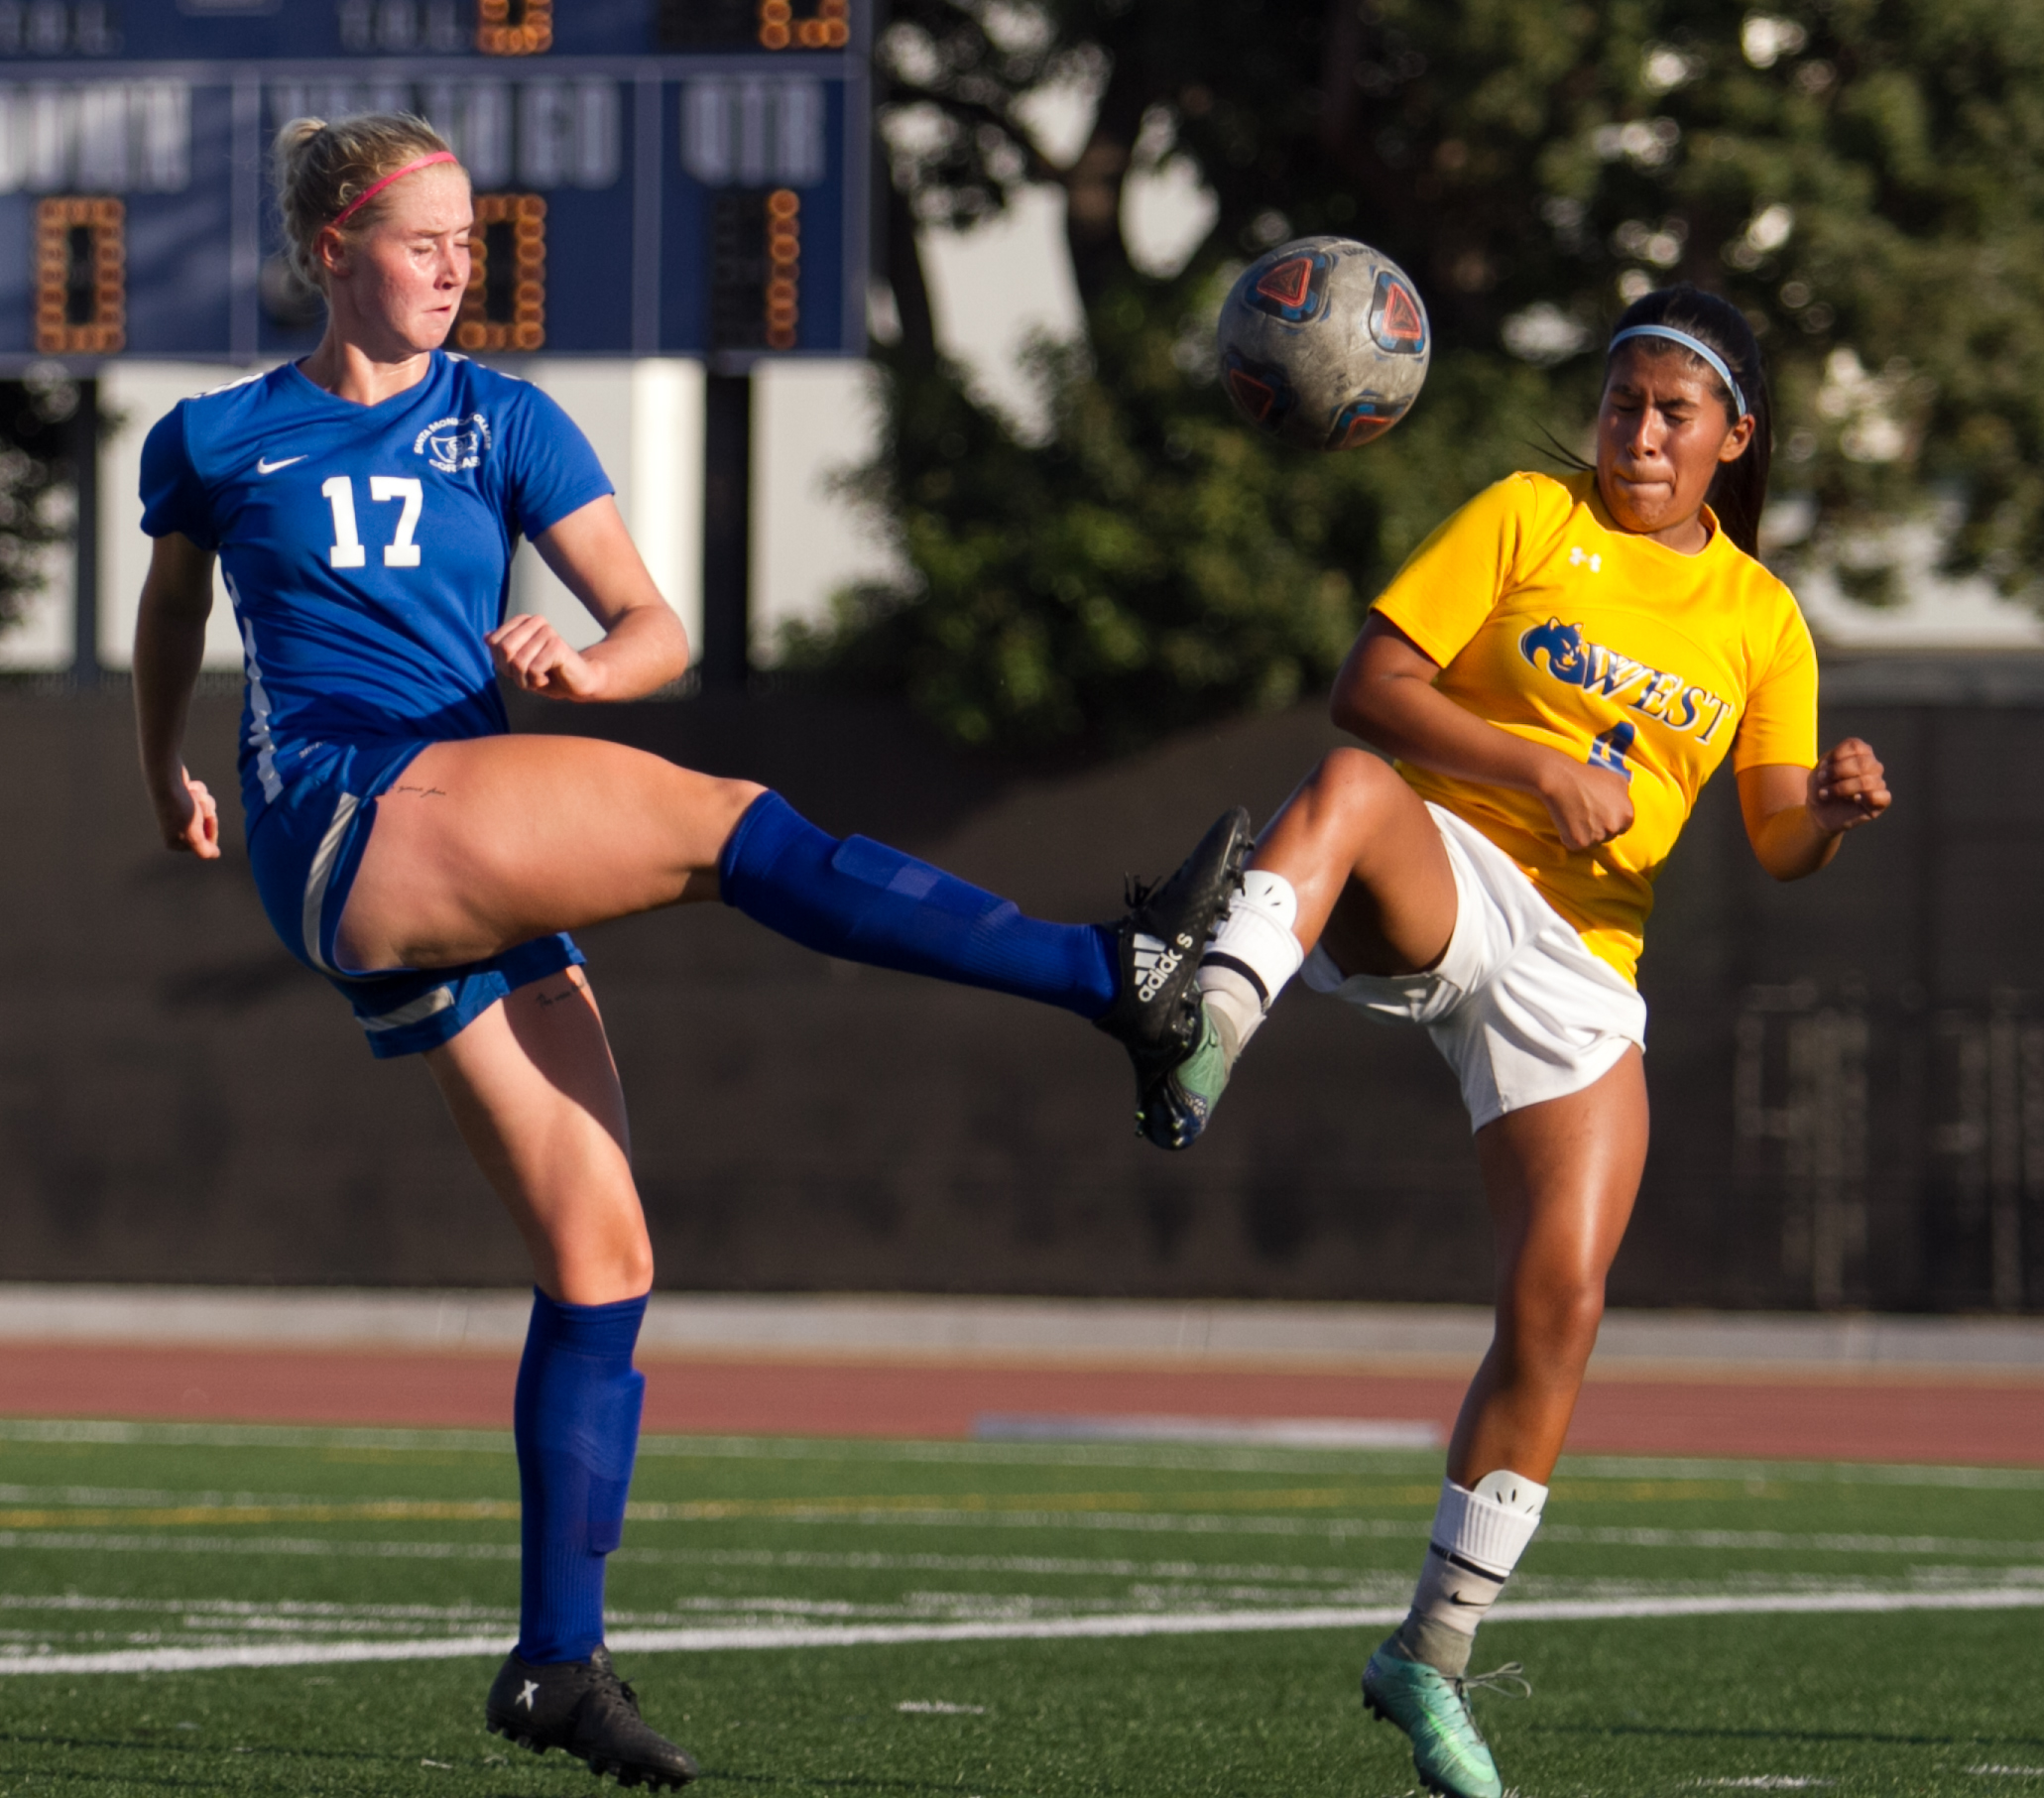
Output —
<point x="367" y="549"/>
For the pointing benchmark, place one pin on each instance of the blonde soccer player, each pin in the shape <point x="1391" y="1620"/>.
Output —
<point x="364" y="504"/>
<point x="1553" y="677"/>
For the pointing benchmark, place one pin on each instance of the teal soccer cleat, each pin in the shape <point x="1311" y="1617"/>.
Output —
<point x="1449" y="1752"/>
<point x="1174" y="1103"/>
<point x="1156" y="1014"/>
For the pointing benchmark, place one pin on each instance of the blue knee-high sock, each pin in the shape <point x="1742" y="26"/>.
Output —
<point x="861" y="901"/>
<point x="576" y="1424"/>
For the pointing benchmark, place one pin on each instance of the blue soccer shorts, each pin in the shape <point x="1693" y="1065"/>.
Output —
<point x="305" y="850"/>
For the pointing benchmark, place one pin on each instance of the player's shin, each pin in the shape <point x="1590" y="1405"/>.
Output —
<point x="576" y="1426"/>
<point x="860" y="900"/>
<point x="1479" y="1534"/>
<point x="1253" y="954"/>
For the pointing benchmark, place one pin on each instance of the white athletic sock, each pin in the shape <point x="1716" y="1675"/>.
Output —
<point x="1477" y="1537"/>
<point x="1252" y="955"/>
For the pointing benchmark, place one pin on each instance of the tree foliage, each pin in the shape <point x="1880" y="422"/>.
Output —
<point x="35" y="431"/>
<point x="1865" y="178"/>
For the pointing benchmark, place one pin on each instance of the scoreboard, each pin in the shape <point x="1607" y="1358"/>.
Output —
<point x="652" y="178"/>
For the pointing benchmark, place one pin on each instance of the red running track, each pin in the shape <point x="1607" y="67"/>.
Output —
<point x="1839" y="1419"/>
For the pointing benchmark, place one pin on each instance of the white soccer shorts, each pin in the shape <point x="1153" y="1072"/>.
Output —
<point x="1517" y="1005"/>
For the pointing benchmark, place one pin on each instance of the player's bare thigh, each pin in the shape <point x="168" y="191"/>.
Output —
<point x="482" y="845"/>
<point x="534" y="1092"/>
<point x="1561" y="1178"/>
<point x="1365" y="858"/>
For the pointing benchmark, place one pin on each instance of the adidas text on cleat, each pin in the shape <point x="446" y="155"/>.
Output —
<point x="1449" y="1752"/>
<point x="1173" y="1104"/>
<point x="1156" y="1013"/>
<point x="584" y="1708"/>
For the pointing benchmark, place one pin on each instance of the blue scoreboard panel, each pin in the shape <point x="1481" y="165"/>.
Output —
<point x="652" y="178"/>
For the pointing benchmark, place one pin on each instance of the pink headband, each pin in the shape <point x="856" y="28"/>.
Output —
<point x="370" y="193"/>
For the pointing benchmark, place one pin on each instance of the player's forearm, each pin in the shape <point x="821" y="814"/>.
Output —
<point x="168" y="650"/>
<point x="1409" y="718"/>
<point x="1792" y="845"/>
<point x="645" y="651"/>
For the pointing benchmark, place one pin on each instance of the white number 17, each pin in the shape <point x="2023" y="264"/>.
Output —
<point x="348" y="550"/>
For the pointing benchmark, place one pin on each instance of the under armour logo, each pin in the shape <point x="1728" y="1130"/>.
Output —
<point x="531" y="1692"/>
<point x="1578" y="555"/>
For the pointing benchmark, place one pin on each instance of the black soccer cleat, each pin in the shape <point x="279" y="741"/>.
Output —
<point x="1156" y="1013"/>
<point x="584" y="1708"/>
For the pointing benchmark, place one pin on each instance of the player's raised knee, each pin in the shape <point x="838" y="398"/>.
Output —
<point x="1352" y="783"/>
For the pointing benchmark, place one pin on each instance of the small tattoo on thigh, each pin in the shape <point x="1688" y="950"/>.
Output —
<point x="554" y="999"/>
<point x="425" y="792"/>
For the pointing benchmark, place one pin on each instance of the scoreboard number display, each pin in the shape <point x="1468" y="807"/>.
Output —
<point x="81" y="278"/>
<point x="652" y="178"/>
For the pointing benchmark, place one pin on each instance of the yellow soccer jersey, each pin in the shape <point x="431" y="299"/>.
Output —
<point x="1551" y="622"/>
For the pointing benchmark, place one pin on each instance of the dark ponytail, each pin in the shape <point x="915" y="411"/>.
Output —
<point x="1739" y="491"/>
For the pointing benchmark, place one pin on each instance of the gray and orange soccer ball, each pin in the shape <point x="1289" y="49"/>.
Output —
<point x="1324" y="344"/>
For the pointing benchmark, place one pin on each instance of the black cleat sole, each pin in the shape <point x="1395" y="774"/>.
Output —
<point x="625" y="1775"/>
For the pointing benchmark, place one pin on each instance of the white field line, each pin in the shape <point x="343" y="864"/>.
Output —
<point x="59" y="1499"/>
<point x="227" y="1508"/>
<point x="827" y="1448"/>
<point x="1135" y="1522"/>
<point x="1230" y="1432"/>
<point x="710" y="1641"/>
<point x="60" y="1541"/>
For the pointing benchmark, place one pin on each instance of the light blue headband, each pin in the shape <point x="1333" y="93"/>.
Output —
<point x="1689" y="343"/>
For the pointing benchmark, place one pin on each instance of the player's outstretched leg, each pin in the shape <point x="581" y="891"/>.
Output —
<point x="490" y="843"/>
<point x="861" y="901"/>
<point x="1353" y="861"/>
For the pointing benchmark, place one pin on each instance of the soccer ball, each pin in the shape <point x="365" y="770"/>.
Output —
<point x="1324" y="344"/>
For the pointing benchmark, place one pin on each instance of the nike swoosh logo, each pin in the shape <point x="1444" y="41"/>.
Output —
<point x="263" y="467"/>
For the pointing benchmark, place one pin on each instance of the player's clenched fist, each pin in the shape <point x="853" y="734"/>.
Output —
<point x="190" y="818"/>
<point x="1848" y="787"/>
<point x="533" y="657"/>
<point x="1589" y="805"/>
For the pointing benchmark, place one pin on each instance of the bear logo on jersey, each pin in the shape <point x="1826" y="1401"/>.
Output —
<point x="1567" y="660"/>
<point x="453" y="444"/>
<point x="1574" y="661"/>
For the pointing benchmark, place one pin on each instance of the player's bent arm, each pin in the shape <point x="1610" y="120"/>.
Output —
<point x="1796" y="817"/>
<point x="1385" y="694"/>
<point x="169" y="645"/>
<point x="644" y="646"/>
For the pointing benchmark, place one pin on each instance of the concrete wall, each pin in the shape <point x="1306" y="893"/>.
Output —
<point x="1847" y="1081"/>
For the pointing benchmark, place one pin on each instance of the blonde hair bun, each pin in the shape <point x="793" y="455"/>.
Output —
<point x="318" y="169"/>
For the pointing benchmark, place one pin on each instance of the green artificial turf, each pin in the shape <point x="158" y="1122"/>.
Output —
<point x="151" y="1539"/>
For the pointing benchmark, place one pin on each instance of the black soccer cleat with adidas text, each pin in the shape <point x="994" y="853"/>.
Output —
<point x="584" y="1708"/>
<point x="1156" y="1013"/>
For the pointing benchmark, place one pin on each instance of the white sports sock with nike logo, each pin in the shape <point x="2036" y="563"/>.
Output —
<point x="1477" y="1537"/>
<point x="1252" y="955"/>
